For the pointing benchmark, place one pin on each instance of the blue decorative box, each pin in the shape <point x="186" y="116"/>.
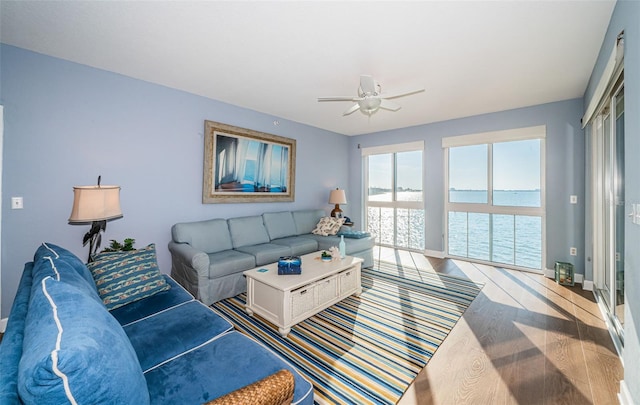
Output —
<point x="289" y="265"/>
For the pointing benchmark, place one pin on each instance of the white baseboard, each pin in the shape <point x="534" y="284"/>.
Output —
<point x="434" y="253"/>
<point x="579" y="278"/>
<point x="3" y="324"/>
<point x="624" y="396"/>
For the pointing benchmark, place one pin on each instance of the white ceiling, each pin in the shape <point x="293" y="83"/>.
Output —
<point x="472" y="57"/>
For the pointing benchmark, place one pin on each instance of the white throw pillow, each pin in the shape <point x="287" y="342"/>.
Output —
<point x="328" y="226"/>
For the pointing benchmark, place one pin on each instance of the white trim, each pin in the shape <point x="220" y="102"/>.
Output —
<point x="54" y="352"/>
<point x="395" y="148"/>
<point x="587" y="285"/>
<point x="624" y="396"/>
<point x="507" y="135"/>
<point x="578" y="278"/>
<point x="615" y="59"/>
<point x="3" y="324"/>
<point x="549" y="273"/>
<point x="434" y="253"/>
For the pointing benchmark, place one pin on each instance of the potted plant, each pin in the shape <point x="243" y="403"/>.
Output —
<point x="125" y="246"/>
<point x="325" y="256"/>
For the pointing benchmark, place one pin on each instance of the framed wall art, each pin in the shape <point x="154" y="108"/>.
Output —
<point x="241" y="165"/>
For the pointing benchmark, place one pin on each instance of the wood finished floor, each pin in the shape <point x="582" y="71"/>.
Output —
<point x="524" y="340"/>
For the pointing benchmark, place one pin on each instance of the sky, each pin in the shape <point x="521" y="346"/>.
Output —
<point x="516" y="165"/>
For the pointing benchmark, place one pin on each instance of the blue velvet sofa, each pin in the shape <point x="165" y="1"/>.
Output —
<point x="62" y="345"/>
<point x="208" y="257"/>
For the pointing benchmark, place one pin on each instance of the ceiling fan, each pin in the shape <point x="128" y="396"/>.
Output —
<point x="370" y="97"/>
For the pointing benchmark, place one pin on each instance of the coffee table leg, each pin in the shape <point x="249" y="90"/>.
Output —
<point x="284" y="331"/>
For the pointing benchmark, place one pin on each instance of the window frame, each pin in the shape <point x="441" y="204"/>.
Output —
<point x="394" y="204"/>
<point x="491" y="138"/>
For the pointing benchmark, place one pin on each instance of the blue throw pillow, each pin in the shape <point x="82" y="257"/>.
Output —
<point x="74" y="351"/>
<point x="354" y="234"/>
<point x="125" y="277"/>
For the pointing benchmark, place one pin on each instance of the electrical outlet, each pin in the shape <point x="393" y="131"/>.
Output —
<point x="573" y="199"/>
<point x="573" y="251"/>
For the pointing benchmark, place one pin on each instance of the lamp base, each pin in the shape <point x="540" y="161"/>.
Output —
<point x="94" y="238"/>
<point x="336" y="212"/>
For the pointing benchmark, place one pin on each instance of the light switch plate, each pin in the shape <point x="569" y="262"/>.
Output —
<point x="17" y="203"/>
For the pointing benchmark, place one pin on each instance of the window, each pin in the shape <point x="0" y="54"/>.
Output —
<point x="494" y="204"/>
<point x="393" y="196"/>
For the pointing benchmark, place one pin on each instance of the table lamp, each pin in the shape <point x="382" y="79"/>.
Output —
<point x="337" y="197"/>
<point x="96" y="205"/>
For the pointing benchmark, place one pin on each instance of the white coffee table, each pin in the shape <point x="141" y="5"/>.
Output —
<point x="286" y="300"/>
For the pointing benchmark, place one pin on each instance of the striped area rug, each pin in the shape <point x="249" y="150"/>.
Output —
<point x="367" y="349"/>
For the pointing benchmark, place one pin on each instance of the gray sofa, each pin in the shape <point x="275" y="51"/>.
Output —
<point x="208" y="257"/>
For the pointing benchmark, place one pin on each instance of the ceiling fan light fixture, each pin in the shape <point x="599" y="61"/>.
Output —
<point x="370" y="97"/>
<point x="369" y="105"/>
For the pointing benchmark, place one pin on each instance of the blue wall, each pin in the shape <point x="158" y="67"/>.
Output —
<point x="564" y="170"/>
<point x="66" y="123"/>
<point x="626" y="16"/>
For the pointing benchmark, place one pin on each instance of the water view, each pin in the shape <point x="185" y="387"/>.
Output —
<point x="506" y="239"/>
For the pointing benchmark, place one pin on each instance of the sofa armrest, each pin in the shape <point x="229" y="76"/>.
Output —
<point x="189" y="267"/>
<point x="276" y="389"/>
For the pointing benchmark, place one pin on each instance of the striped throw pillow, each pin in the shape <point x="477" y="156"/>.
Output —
<point x="125" y="277"/>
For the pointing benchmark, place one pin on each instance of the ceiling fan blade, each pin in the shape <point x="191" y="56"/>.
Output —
<point x="401" y="93"/>
<point x="367" y="84"/>
<point x="389" y="105"/>
<point x="339" y="98"/>
<point x="352" y="109"/>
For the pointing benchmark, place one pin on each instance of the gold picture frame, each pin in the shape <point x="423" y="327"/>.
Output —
<point x="246" y="166"/>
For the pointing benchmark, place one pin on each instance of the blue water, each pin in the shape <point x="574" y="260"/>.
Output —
<point x="507" y="239"/>
<point x="515" y="240"/>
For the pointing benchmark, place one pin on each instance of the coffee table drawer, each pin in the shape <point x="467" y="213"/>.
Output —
<point x="327" y="290"/>
<point x="348" y="281"/>
<point x="302" y="300"/>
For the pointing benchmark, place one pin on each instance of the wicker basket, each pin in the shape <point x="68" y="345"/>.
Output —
<point x="276" y="389"/>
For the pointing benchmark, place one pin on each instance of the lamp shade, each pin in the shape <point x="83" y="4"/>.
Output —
<point x="337" y="196"/>
<point x="95" y="203"/>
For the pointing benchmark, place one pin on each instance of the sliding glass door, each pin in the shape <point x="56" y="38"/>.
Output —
<point x="608" y="205"/>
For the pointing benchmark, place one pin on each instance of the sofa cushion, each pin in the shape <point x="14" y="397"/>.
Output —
<point x="299" y="245"/>
<point x="247" y="231"/>
<point x="209" y="236"/>
<point x="77" y="352"/>
<point x="351" y="245"/>
<point x="60" y="265"/>
<point x="161" y="301"/>
<point x="306" y="220"/>
<point x="348" y="233"/>
<point x="229" y="262"/>
<point x="266" y="253"/>
<point x="328" y="226"/>
<point x="279" y="224"/>
<point x="239" y="361"/>
<point x="166" y="334"/>
<point x="125" y="277"/>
